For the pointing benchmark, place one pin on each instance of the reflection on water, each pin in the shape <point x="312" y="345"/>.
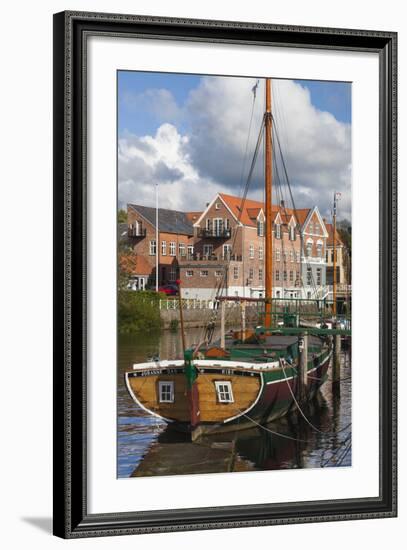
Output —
<point x="321" y="439"/>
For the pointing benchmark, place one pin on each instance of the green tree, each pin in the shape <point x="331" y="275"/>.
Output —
<point x="122" y="216"/>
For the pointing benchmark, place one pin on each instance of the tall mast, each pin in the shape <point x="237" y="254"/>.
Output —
<point x="268" y="195"/>
<point x="334" y="258"/>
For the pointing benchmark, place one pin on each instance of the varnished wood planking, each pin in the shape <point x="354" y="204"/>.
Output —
<point x="146" y="391"/>
<point x="245" y="390"/>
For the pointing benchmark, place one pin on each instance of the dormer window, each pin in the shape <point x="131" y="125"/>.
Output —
<point x="278" y="231"/>
<point x="292" y="233"/>
<point x="260" y="228"/>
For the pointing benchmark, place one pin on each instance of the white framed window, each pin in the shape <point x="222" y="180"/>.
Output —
<point x="164" y="248"/>
<point x="251" y="251"/>
<point x="260" y="228"/>
<point x="316" y="229"/>
<point x="166" y="391"/>
<point x="227" y="251"/>
<point x="173" y="249"/>
<point x="319" y="276"/>
<point x="251" y="273"/>
<point x="224" y="391"/>
<point x="227" y="223"/>
<point x="311" y="228"/>
<point x="182" y="249"/>
<point x="208" y="250"/>
<point x="292" y="233"/>
<point x="218" y="273"/>
<point x="277" y="275"/>
<point x="217" y="206"/>
<point x="278" y="231"/>
<point x="285" y="275"/>
<point x="173" y="275"/>
<point x="260" y="275"/>
<point x="204" y="273"/>
<point x="261" y="252"/>
<point x="309" y="276"/>
<point x="319" y="249"/>
<point x="235" y="272"/>
<point x="217" y="226"/>
<point x="298" y="257"/>
<point x="291" y="256"/>
<point x="208" y="224"/>
<point x="190" y="249"/>
<point x="189" y="273"/>
<point x="278" y="252"/>
<point x="309" y="248"/>
<point x="153" y="248"/>
<point x="291" y="275"/>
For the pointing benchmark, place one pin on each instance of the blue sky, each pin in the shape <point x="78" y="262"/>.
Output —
<point x="188" y="133"/>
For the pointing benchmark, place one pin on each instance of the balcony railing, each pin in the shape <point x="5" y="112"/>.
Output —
<point x="197" y="257"/>
<point x="137" y="231"/>
<point x="214" y="233"/>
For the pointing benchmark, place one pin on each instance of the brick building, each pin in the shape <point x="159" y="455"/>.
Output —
<point x="342" y="258"/>
<point x="313" y="254"/>
<point x="222" y="249"/>
<point x="175" y="242"/>
<point x="229" y="251"/>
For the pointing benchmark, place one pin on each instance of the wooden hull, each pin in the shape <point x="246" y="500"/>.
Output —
<point x="259" y="393"/>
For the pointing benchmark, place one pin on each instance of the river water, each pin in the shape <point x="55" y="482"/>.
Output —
<point x="319" y="438"/>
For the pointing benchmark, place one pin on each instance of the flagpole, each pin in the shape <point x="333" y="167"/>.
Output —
<point x="336" y="197"/>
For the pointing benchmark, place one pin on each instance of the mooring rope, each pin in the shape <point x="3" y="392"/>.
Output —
<point x="302" y="413"/>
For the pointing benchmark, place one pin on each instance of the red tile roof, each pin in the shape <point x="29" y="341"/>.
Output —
<point x="251" y="209"/>
<point x="132" y="264"/>
<point x="193" y="216"/>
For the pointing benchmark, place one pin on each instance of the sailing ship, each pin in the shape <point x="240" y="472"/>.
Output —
<point x="249" y="378"/>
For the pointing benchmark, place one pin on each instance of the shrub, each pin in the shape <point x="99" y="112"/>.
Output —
<point x="138" y="311"/>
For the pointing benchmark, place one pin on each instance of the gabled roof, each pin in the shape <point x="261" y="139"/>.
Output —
<point x="330" y="240"/>
<point x="169" y="221"/>
<point x="251" y="208"/>
<point x="308" y="217"/>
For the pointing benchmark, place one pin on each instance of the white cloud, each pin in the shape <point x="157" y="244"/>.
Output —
<point x="192" y="168"/>
<point x="161" y="159"/>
